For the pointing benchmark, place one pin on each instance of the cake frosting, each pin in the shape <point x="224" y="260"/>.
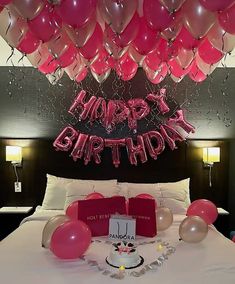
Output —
<point x="124" y="254"/>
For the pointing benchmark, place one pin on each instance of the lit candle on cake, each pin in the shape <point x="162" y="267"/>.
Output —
<point x="159" y="247"/>
<point x="122" y="268"/>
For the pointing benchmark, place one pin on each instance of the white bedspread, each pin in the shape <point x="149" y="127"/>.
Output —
<point x="24" y="261"/>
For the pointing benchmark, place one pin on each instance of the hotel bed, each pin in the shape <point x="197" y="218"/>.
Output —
<point x="24" y="261"/>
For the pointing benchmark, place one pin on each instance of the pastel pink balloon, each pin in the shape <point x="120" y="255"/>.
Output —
<point x="205" y="209"/>
<point x="29" y="43"/>
<point x="176" y="69"/>
<point x="209" y="53"/>
<point x="94" y="44"/>
<point x="28" y="9"/>
<point x="68" y="57"/>
<point x="94" y="195"/>
<point x="165" y="50"/>
<point x="216" y="5"/>
<point x="128" y="35"/>
<point x="46" y="24"/>
<point x="157" y="76"/>
<point x="70" y="240"/>
<point x="226" y="19"/>
<point x="185" y="57"/>
<point x="145" y="196"/>
<point x="72" y="210"/>
<point x="156" y="15"/>
<point x="187" y="40"/>
<point x="76" y="13"/>
<point x="81" y="76"/>
<point x="152" y="60"/>
<point x="4" y="2"/>
<point x="146" y="38"/>
<point x="49" y="66"/>
<point x="102" y="63"/>
<point x="196" y="74"/>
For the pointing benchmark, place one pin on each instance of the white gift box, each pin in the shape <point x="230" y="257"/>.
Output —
<point x="122" y="227"/>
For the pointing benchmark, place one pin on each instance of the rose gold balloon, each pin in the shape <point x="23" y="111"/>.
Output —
<point x="134" y="54"/>
<point x="117" y="13"/>
<point x="59" y="44"/>
<point x="100" y="78"/>
<point x="207" y="69"/>
<point x="193" y="229"/>
<point x="28" y="9"/>
<point x="39" y="56"/>
<point x="75" y="68"/>
<point x="12" y="27"/>
<point x="221" y="39"/>
<point x="185" y="57"/>
<point x="164" y="218"/>
<point x="197" y="19"/>
<point x="50" y="227"/>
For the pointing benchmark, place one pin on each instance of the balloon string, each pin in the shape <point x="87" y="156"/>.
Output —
<point x="9" y="13"/>
<point x="12" y="53"/>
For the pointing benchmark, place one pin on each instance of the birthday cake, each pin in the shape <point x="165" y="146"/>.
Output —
<point x="124" y="254"/>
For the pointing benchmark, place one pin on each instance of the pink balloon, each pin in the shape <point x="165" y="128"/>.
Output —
<point x="166" y="50"/>
<point x="126" y="67"/>
<point x="134" y="54"/>
<point x="72" y="210"/>
<point x="76" y="13"/>
<point x="176" y="69"/>
<point x="209" y="53"/>
<point x="174" y="28"/>
<point x="185" y="57"/>
<point x="49" y="66"/>
<point x="145" y="41"/>
<point x="204" y="209"/>
<point x="145" y="196"/>
<point x="29" y="43"/>
<point x="94" y="195"/>
<point x="81" y="76"/>
<point x="46" y="24"/>
<point x="216" y="5"/>
<point x="226" y="19"/>
<point x="117" y="14"/>
<point x="68" y="57"/>
<point x="172" y="5"/>
<point x="128" y="35"/>
<point x="196" y="74"/>
<point x="197" y="19"/>
<point x="156" y="15"/>
<point x="70" y="240"/>
<point x="157" y="76"/>
<point x="187" y="40"/>
<point x="152" y="60"/>
<point x="102" y="63"/>
<point x="94" y="44"/>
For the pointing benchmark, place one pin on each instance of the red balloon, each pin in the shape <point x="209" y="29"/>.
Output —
<point x="4" y="2"/>
<point x="204" y="209"/>
<point x="128" y="35"/>
<point x="76" y="13"/>
<point x="102" y="63"/>
<point x="152" y="60"/>
<point x="216" y="5"/>
<point x="94" y="44"/>
<point x="145" y="196"/>
<point x="126" y="67"/>
<point x="157" y="15"/>
<point x="46" y="24"/>
<point x="81" y="76"/>
<point x="157" y="76"/>
<point x="72" y="210"/>
<point x="226" y="19"/>
<point x="68" y="57"/>
<point x="29" y="43"/>
<point x="176" y="69"/>
<point x="209" y="53"/>
<point x="146" y="38"/>
<point x="70" y="240"/>
<point x="49" y="66"/>
<point x="94" y="195"/>
<point x="187" y="40"/>
<point x="166" y="50"/>
<point x="196" y="74"/>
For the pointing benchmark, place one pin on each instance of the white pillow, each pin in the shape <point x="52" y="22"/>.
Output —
<point x="78" y="191"/>
<point x="55" y="193"/>
<point x="129" y="189"/>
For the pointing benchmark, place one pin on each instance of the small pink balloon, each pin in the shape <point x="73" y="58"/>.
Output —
<point x="226" y="19"/>
<point x="196" y="74"/>
<point x="205" y="209"/>
<point x="68" y="57"/>
<point x="94" y="195"/>
<point x="152" y="60"/>
<point x="187" y="40"/>
<point x="82" y="75"/>
<point x="102" y="63"/>
<point x="70" y="240"/>
<point x="209" y="53"/>
<point x="176" y="69"/>
<point x="72" y="210"/>
<point x="126" y="68"/>
<point x="49" y="66"/>
<point x="4" y="2"/>
<point x="216" y="5"/>
<point x="29" y="43"/>
<point x="145" y="196"/>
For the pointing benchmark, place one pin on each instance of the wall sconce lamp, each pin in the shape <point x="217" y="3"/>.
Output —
<point x="14" y="155"/>
<point x="211" y="155"/>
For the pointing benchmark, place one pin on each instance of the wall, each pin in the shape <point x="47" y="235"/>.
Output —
<point x="32" y="108"/>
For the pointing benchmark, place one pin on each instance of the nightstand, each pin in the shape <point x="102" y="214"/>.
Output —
<point x="10" y="218"/>
<point x="222" y="222"/>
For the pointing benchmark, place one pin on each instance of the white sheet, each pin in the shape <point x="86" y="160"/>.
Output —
<point x="24" y="261"/>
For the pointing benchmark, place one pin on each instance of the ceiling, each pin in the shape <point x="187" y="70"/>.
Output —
<point x="16" y="59"/>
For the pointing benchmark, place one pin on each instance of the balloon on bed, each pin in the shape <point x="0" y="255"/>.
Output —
<point x="179" y="38"/>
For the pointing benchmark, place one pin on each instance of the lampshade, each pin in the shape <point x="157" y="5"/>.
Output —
<point x="14" y="154"/>
<point x="211" y="155"/>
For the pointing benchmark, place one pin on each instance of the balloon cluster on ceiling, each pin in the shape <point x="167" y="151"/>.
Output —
<point x="176" y="37"/>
